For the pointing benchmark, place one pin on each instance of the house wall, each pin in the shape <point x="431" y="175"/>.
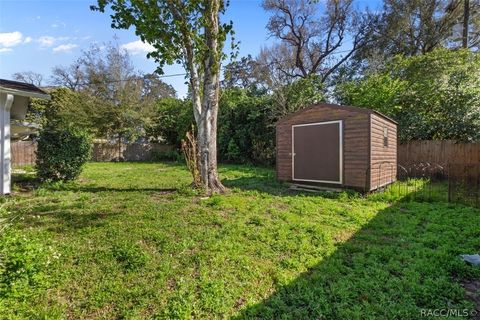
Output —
<point x="355" y="142"/>
<point x="383" y="160"/>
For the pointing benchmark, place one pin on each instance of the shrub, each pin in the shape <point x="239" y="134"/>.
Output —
<point x="61" y="153"/>
<point x="173" y="155"/>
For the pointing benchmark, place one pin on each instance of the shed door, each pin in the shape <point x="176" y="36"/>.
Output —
<point x="317" y="152"/>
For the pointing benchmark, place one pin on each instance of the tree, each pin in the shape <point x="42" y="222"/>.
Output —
<point x="187" y="32"/>
<point x="70" y="77"/>
<point x="432" y="96"/>
<point x="413" y="27"/>
<point x="66" y="108"/>
<point x="246" y="131"/>
<point x="295" y="96"/>
<point x="154" y="88"/>
<point x="29" y="77"/>
<point x="311" y="41"/>
<point x="247" y="73"/>
<point x="172" y="119"/>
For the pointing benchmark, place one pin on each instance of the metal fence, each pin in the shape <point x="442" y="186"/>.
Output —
<point x="425" y="181"/>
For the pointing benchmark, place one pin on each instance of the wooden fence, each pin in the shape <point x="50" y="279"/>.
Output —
<point x="438" y="152"/>
<point x="23" y="152"/>
<point x="105" y="152"/>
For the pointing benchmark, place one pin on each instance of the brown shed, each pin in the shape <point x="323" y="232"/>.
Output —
<point x="338" y="146"/>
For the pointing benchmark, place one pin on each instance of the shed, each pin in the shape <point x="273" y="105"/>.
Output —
<point x="337" y="146"/>
<point x="14" y="99"/>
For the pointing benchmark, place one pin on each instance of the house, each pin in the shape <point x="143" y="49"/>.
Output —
<point x="337" y="146"/>
<point x="14" y="99"/>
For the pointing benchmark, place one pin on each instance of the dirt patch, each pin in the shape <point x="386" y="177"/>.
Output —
<point x="472" y="291"/>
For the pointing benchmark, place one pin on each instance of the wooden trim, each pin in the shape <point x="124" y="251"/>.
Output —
<point x="369" y="166"/>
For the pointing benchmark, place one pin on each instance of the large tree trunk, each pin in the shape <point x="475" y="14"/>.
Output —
<point x="205" y="101"/>
<point x="207" y="142"/>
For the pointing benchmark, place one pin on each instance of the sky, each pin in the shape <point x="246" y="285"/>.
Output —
<point x="37" y="35"/>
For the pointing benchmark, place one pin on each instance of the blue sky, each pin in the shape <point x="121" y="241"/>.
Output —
<point x="37" y="35"/>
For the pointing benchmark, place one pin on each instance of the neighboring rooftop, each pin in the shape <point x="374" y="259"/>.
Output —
<point x="21" y="88"/>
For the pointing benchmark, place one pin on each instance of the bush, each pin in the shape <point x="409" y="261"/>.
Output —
<point x="61" y="153"/>
<point x="173" y="155"/>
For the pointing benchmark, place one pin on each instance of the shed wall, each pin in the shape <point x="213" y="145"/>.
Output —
<point x="355" y="143"/>
<point x="383" y="168"/>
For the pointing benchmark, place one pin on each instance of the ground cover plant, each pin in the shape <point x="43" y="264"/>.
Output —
<point x="132" y="240"/>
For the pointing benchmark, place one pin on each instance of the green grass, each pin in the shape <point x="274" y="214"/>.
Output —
<point x="134" y="241"/>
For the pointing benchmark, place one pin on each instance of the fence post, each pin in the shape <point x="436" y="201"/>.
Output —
<point x="449" y="182"/>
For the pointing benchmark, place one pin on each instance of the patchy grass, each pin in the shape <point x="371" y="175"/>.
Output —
<point x="134" y="241"/>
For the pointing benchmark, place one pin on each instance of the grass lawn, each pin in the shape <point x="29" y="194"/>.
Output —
<point x="131" y="240"/>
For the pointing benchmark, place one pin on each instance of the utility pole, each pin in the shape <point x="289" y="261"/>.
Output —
<point x="466" y="18"/>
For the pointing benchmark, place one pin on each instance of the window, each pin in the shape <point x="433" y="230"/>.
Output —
<point x="385" y="136"/>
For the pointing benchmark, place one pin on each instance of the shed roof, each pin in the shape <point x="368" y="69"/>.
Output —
<point x="337" y="106"/>
<point x="22" y="89"/>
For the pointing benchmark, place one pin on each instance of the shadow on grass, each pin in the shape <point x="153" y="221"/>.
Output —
<point x="269" y="184"/>
<point x="93" y="189"/>
<point x="62" y="218"/>
<point x="262" y="183"/>
<point x="25" y="182"/>
<point x="404" y="260"/>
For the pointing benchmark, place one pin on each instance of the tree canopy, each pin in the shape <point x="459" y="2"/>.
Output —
<point x="432" y="96"/>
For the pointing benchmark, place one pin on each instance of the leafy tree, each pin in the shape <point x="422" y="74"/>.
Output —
<point x="154" y="88"/>
<point x="188" y="32"/>
<point x="171" y="121"/>
<point x="296" y="95"/>
<point x="413" y="27"/>
<point x="432" y="96"/>
<point x="65" y="108"/>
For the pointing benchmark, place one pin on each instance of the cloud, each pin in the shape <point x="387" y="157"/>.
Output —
<point x="10" y="39"/>
<point x="137" y="47"/>
<point x="65" y="47"/>
<point x="27" y="40"/>
<point x="58" y="24"/>
<point x="2" y="50"/>
<point x="48" y="41"/>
